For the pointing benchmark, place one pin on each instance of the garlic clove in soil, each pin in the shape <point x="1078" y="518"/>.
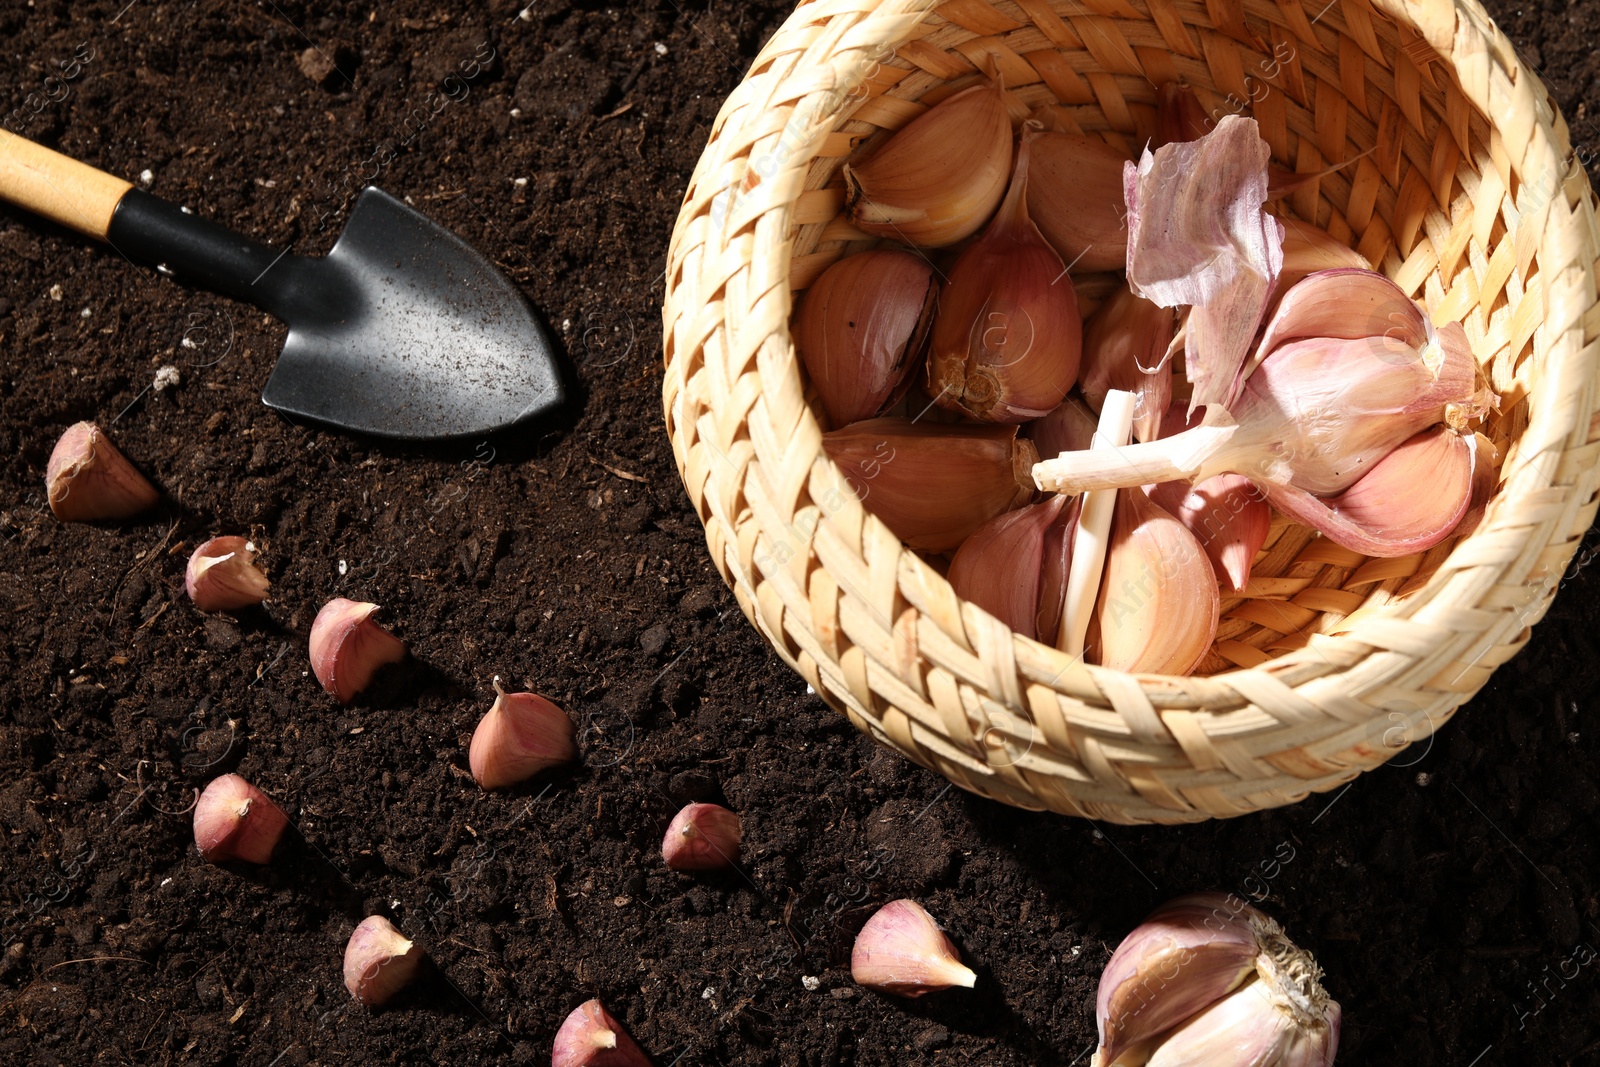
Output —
<point x="520" y="735"/>
<point x="861" y="330"/>
<point x="1075" y="197"/>
<point x="702" y="837"/>
<point x="1157" y="608"/>
<point x="1014" y="567"/>
<point x="1007" y="338"/>
<point x="233" y="820"/>
<point x="348" y="647"/>
<point x="222" y="575"/>
<point x="902" y="950"/>
<point x="1209" y="980"/>
<point x="933" y="485"/>
<point x="379" y="961"/>
<point x="88" y="479"/>
<point x="590" y="1037"/>
<point x="936" y="180"/>
<point x="1125" y="347"/>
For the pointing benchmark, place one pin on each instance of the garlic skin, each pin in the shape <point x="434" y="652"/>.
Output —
<point x="1007" y="338"/>
<point x="935" y="181"/>
<point x="89" y="480"/>
<point x="1125" y="347"/>
<point x="590" y="1037"/>
<point x="1015" y="566"/>
<point x="933" y="485"/>
<point x="702" y="837"/>
<point x="520" y="735"/>
<point x="1075" y="197"/>
<point x="379" y="961"/>
<point x="861" y="330"/>
<point x="222" y="576"/>
<point x="1157" y="609"/>
<point x="233" y="820"/>
<point x="902" y="950"/>
<point x="347" y="647"/>
<point x="1207" y="979"/>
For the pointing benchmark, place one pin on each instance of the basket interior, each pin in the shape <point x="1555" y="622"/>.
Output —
<point x="1431" y="199"/>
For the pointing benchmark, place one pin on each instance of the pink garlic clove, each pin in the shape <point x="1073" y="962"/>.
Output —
<point x="347" y="647"/>
<point x="1125" y="347"/>
<point x="1227" y="514"/>
<point x="1001" y="567"/>
<point x="222" y="575"/>
<point x="1345" y="303"/>
<point x="88" y="479"/>
<point x="902" y="950"/>
<point x="521" y="735"/>
<point x="233" y="820"/>
<point x="379" y="961"/>
<point x="1069" y="428"/>
<point x="702" y="837"/>
<point x="590" y="1037"/>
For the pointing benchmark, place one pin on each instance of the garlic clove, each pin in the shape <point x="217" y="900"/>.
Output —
<point x="1007" y="338"/>
<point x="222" y="575"/>
<point x="1252" y="1027"/>
<point x="1075" y="198"/>
<point x="1346" y="303"/>
<point x="1308" y="249"/>
<point x="1001" y="567"/>
<point x="348" y="647"/>
<point x="590" y="1037"/>
<point x="1197" y="235"/>
<point x="233" y="820"/>
<point x="933" y="485"/>
<point x="861" y="330"/>
<point x="1069" y="428"/>
<point x="936" y="181"/>
<point x="88" y="479"/>
<point x="1125" y="347"/>
<point x="1228" y="515"/>
<point x="379" y="961"/>
<point x="702" y="837"/>
<point x="1411" y="499"/>
<point x="902" y="950"/>
<point x="520" y="735"/>
<point x="1157" y="609"/>
<point x="1186" y="956"/>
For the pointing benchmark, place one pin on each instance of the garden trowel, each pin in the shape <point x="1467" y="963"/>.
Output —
<point x="401" y="331"/>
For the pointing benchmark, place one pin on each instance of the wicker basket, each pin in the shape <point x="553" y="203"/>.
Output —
<point x="1332" y="663"/>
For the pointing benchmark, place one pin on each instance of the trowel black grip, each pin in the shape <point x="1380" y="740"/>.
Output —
<point x="150" y="230"/>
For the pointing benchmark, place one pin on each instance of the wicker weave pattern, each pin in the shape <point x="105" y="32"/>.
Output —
<point x="1330" y="663"/>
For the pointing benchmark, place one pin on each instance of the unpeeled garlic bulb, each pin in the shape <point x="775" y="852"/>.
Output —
<point x="1007" y="338"/>
<point x="1209" y="981"/>
<point x="936" y="181"/>
<point x="902" y="950"/>
<point x="933" y="485"/>
<point x="861" y="330"/>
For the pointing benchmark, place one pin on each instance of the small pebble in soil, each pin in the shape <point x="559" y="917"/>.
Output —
<point x="811" y="982"/>
<point x="146" y="177"/>
<point x="653" y="640"/>
<point x="661" y="49"/>
<point x="1423" y="778"/>
<point x="931" y="1038"/>
<point x="167" y="377"/>
<point x="55" y="293"/>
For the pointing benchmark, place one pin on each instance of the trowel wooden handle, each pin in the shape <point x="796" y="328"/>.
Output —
<point x="58" y="187"/>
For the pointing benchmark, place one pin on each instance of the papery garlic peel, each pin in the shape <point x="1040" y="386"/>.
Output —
<point x="520" y="735"/>
<point x="939" y="178"/>
<point x="379" y="961"/>
<point x="702" y="837"/>
<point x="1007" y="338"/>
<point x="348" y="647"/>
<point x="87" y="479"/>
<point x="590" y="1037"/>
<point x="233" y="820"/>
<point x="222" y="575"/>
<point x="902" y="950"/>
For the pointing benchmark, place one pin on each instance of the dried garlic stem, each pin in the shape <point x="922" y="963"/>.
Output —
<point x="1094" y="528"/>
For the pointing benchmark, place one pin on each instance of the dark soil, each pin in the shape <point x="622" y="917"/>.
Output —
<point x="1452" y="897"/>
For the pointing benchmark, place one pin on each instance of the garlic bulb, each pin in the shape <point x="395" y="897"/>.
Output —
<point x="1007" y="338"/>
<point x="936" y="181"/>
<point x="1125" y="347"/>
<point x="1157" y="609"/>
<point x="1075" y="197"/>
<point x="1209" y="980"/>
<point x="933" y="485"/>
<point x="1015" y="566"/>
<point x="861" y="329"/>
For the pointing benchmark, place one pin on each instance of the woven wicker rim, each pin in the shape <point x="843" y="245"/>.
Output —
<point x="1470" y="201"/>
